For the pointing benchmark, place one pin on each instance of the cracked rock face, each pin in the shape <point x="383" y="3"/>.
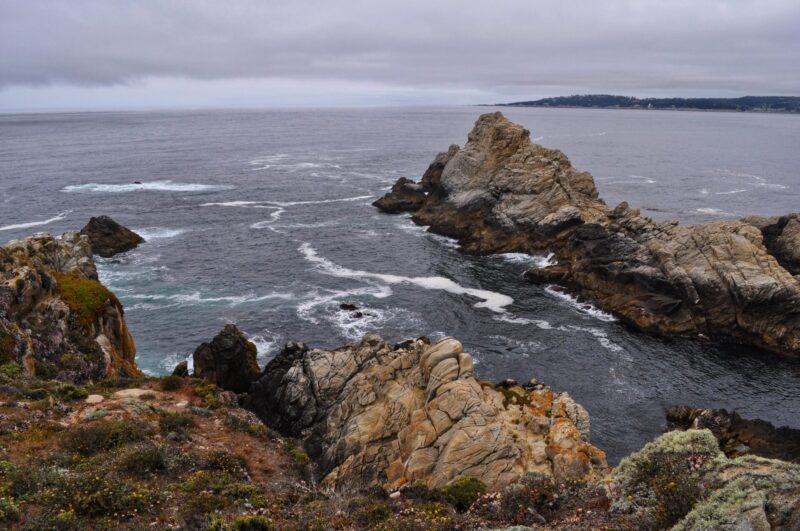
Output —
<point x="56" y="319"/>
<point x="502" y="193"/>
<point x="229" y="360"/>
<point x="370" y="413"/>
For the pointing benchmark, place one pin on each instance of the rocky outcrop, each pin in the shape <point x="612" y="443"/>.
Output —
<point x="683" y="481"/>
<point x="405" y="196"/>
<point x="107" y="237"/>
<point x="502" y="193"/>
<point x="229" y="360"/>
<point x="738" y="436"/>
<point x="56" y="319"/>
<point x="415" y="413"/>
<point x="781" y="238"/>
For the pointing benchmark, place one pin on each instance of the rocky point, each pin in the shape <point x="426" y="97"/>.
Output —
<point x="724" y="279"/>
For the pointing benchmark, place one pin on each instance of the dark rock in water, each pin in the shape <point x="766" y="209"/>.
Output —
<point x="181" y="369"/>
<point x="107" y="237"/>
<point x="357" y="315"/>
<point x="503" y="193"/>
<point x="738" y="436"/>
<point x="229" y="361"/>
<point x="348" y="306"/>
<point x="137" y="182"/>
<point x="405" y="196"/>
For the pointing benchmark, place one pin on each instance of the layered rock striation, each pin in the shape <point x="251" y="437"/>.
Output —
<point x="372" y="414"/>
<point x="56" y="319"/>
<point x="730" y="279"/>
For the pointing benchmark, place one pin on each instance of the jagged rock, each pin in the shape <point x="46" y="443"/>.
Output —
<point x="181" y="369"/>
<point x="350" y="307"/>
<point x="738" y="436"/>
<point x="56" y="319"/>
<point x="405" y="196"/>
<point x="229" y="361"/>
<point x="372" y="414"/>
<point x="502" y="193"/>
<point x="682" y="479"/>
<point x="781" y="238"/>
<point x="107" y="237"/>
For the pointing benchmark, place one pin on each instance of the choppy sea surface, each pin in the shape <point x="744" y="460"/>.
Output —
<point x="263" y="218"/>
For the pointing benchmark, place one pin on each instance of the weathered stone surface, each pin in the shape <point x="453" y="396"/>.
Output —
<point x="502" y="193"/>
<point x="107" y="237"/>
<point x="229" y="361"/>
<point x="738" y="436"/>
<point x="370" y="413"/>
<point x="56" y="319"/>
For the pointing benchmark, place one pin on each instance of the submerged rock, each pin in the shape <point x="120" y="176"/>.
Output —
<point x="372" y="414"/>
<point x="229" y="360"/>
<point x="502" y="193"/>
<point x="107" y="237"/>
<point x="738" y="436"/>
<point x="56" y="319"/>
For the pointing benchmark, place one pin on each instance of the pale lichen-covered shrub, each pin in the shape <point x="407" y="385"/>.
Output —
<point x="661" y="483"/>
<point x="738" y="505"/>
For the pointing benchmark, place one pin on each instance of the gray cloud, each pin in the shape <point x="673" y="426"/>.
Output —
<point x="515" y="47"/>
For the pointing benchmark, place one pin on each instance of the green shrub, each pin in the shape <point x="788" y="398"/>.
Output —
<point x="171" y="383"/>
<point x="177" y="422"/>
<point x="93" y="495"/>
<point x="142" y="460"/>
<point x="10" y="370"/>
<point x="71" y="392"/>
<point x="463" y="492"/>
<point x="534" y="494"/>
<point x="91" y="438"/>
<point x="251" y="523"/>
<point x="299" y="456"/>
<point x="226" y="461"/>
<point x="9" y="510"/>
<point x="208" y="392"/>
<point x="65" y="520"/>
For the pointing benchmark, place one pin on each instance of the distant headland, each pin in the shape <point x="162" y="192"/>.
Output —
<point x="784" y="104"/>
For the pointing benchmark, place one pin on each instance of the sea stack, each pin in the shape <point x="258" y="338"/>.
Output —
<point x="107" y="237"/>
<point x="723" y="279"/>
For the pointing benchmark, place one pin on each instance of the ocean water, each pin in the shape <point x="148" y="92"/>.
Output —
<point x="263" y="219"/>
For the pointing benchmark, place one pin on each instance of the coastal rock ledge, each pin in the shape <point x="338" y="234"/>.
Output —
<point x="372" y="414"/>
<point x="727" y="279"/>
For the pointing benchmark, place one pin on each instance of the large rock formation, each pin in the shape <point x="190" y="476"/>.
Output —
<point x="56" y="319"/>
<point x="502" y="193"/>
<point x="738" y="436"/>
<point x="229" y="361"/>
<point x="415" y="413"/>
<point x="107" y="237"/>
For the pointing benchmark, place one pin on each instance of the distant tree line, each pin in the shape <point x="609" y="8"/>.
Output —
<point x="746" y="103"/>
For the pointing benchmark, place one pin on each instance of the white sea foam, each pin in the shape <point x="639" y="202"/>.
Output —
<point x="633" y="179"/>
<point x="151" y="186"/>
<point x="539" y="323"/>
<point x="29" y="224"/>
<point x="538" y="261"/>
<point x="729" y="192"/>
<point x="197" y="297"/>
<point x="305" y="310"/>
<point x="266" y="344"/>
<point x="491" y="300"/>
<point x="158" y="233"/>
<point x="713" y="212"/>
<point x="582" y="307"/>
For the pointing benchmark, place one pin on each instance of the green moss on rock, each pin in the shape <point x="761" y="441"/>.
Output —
<point x="85" y="297"/>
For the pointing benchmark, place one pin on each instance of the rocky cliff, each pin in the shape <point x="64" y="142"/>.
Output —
<point x="730" y="279"/>
<point x="415" y="413"/>
<point x="56" y="319"/>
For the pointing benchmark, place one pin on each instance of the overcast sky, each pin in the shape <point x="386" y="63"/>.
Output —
<point x="107" y="54"/>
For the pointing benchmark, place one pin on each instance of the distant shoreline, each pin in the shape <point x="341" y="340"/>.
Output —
<point x="759" y="104"/>
<point x="679" y="109"/>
